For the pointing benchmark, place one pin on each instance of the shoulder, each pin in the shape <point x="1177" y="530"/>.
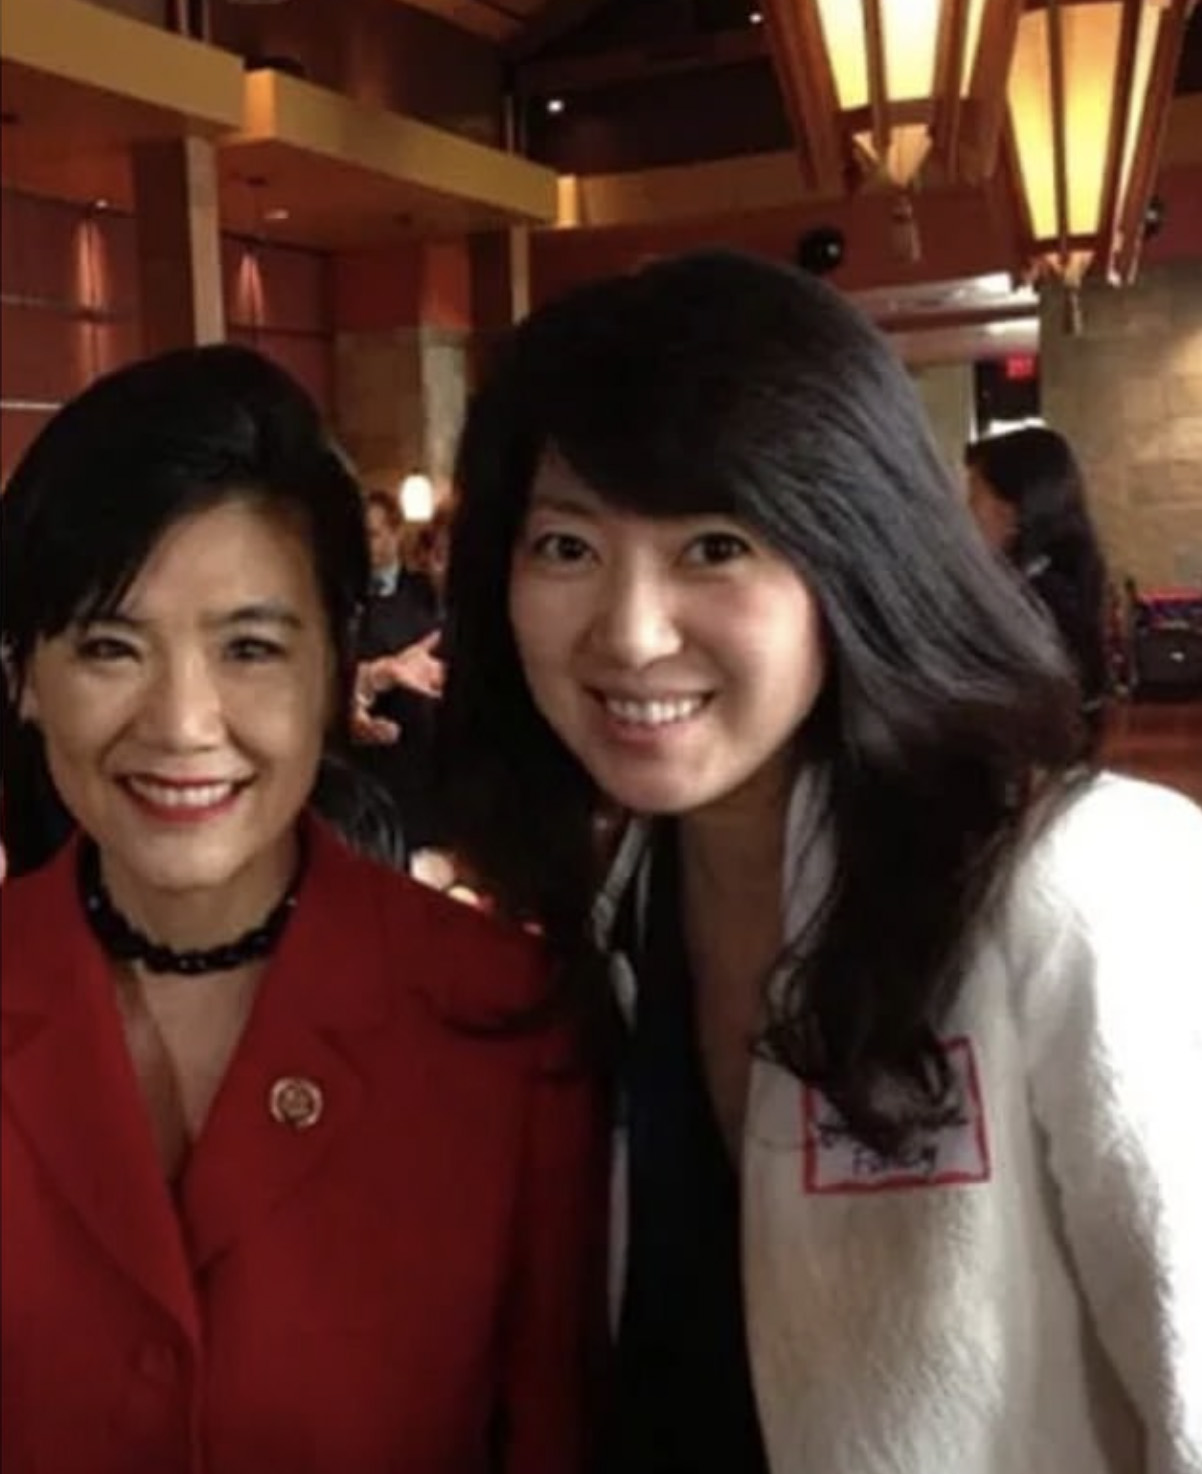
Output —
<point x="37" y="898"/>
<point x="467" y="964"/>
<point x="45" y="944"/>
<point x="1108" y="889"/>
<point x="1118" y="835"/>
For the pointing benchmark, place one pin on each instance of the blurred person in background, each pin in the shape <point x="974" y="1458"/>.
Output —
<point x="1027" y="493"/>
<point x="400" y="676"/>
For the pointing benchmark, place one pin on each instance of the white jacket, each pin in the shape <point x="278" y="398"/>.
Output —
<point x="1022" y="1295"/>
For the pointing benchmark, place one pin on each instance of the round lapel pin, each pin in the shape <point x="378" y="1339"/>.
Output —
<point x="295" y="1102"/>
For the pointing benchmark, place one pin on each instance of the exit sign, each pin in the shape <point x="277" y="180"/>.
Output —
<point x="1020" y="366"/>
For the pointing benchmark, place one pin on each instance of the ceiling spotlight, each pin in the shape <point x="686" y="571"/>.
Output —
<point x="755" y="18"/>
<point x="555" y="104"/>
<point x="99" y="206"/>
<point x="275" y="215"/>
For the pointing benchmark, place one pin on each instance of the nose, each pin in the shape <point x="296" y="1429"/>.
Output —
<point x="635" y="622"/>
<point x="181" y="708"/>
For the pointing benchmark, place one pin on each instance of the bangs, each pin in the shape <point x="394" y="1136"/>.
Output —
<point x="634" y="420"/>
<point x="87" y="573"/>
<point x="653" y="482"/>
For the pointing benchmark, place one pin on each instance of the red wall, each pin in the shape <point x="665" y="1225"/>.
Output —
<point x="69" y="304"/>
<point x="962" y="235"/>
<point x="422" y="283"/>
<point x="278" y="299"/>
<point x="1180" y="239"/>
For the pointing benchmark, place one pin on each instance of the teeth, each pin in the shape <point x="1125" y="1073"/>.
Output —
<point x="654" y="713"/>
<point x="169" y="796"/>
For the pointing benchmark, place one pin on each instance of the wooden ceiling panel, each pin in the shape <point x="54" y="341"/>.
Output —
<point x="72" y="142"/>
<point x="502" y="21"/>
<point x="271" y="191"/>
<point x="521" y="27"/>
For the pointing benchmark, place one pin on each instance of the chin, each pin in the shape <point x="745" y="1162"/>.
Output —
<point x="179" y="863"/>
<point x="185" y="878"/>
<point x="658" y="800"/>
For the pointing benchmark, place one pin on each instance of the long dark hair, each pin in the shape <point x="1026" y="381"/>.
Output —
<point x="1055" y="545"/>
<point x="133" y="454"/>
<point x="717" y="383"/>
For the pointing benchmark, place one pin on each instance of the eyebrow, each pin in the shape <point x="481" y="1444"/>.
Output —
<point x="257" y="614"/>
<point x="576" y="504"/>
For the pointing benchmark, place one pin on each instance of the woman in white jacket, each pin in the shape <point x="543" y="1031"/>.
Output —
<point x="909" y="1024"/>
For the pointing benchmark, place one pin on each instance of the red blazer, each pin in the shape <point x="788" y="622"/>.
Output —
<point x="395" y="1288"/>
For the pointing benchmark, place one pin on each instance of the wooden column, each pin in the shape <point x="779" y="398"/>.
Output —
<point x="179" y="243"/>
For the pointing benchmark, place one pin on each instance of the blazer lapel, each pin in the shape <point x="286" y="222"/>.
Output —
<point x="293" y="1090"/>
<point x="71" y="1088"/>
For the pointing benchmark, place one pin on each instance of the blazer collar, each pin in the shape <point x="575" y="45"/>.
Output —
<point x="69" y="1081"/>
<point x="804" y="836"/>
<point x="340" y="899"/>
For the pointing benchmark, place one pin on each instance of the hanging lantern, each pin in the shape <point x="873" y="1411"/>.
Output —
<point x="1088" y="93"/>
<point x="875" y="88"/>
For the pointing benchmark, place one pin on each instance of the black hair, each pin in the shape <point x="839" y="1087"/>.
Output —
<point x="362" y="810"/>
<point x="718" y="383"/>
<point x="137" y="451"/>
<point x="1055" y="545"/>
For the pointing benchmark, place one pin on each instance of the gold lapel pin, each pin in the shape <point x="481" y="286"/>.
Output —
<point x="295" y="1102"/>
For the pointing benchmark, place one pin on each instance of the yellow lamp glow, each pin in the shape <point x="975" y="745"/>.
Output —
<point x="417" y="498"/>
<point x="884" y="56"/>
<point x="1086" y="96"/>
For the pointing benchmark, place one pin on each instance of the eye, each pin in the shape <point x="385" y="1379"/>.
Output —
<point x="560" y="547"/>
<point x="713" y="548"/>
<point x="103" y="649"/>
<point x="254" y="650"/>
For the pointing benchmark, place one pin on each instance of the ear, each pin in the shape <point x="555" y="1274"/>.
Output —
<point x="20" y="691"/>
<point x="27" y="702"/>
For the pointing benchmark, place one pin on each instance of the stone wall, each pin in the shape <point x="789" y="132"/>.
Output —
<point x="946" y="390"/>
<point x="400" y="399"/>
<point x="1128" y="394"/>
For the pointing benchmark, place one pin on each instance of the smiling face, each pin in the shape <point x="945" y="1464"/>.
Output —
<point x="675" y="657"/>
<point x="184" y="732"/>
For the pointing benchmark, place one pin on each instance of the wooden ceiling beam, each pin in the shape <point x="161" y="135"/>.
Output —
<point x="807" y="84"/>
<point x="984" y="113"/>
<point x="553" y="20"/>
<point x="1124" y="99"/>
<point x="878" y="84"/>
<point x="1056" y="78"/>
<point x="1149" y="146"/>
<point x="949" y="68"/>
<point x="543" y="78"/>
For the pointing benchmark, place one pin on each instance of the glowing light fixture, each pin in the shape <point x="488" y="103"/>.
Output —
<point x="883" y="57"/>
<point x="876" y="87"/>
<point x="417" y="498"/>
<point x="1088" y="92"/>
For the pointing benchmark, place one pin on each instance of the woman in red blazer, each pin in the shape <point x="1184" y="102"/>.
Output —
<point x="291" y="1185"/>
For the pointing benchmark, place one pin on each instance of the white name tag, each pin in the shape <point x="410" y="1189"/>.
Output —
<point x="953" y="1152"/>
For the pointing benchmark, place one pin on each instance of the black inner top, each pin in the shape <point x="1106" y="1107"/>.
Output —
<point x="684" y="1403"/>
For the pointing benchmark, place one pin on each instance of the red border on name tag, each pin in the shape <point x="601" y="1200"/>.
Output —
<point x="945" y="1156"/>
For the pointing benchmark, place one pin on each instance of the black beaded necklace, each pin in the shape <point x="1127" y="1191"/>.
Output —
<point x="124" y="942"/>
